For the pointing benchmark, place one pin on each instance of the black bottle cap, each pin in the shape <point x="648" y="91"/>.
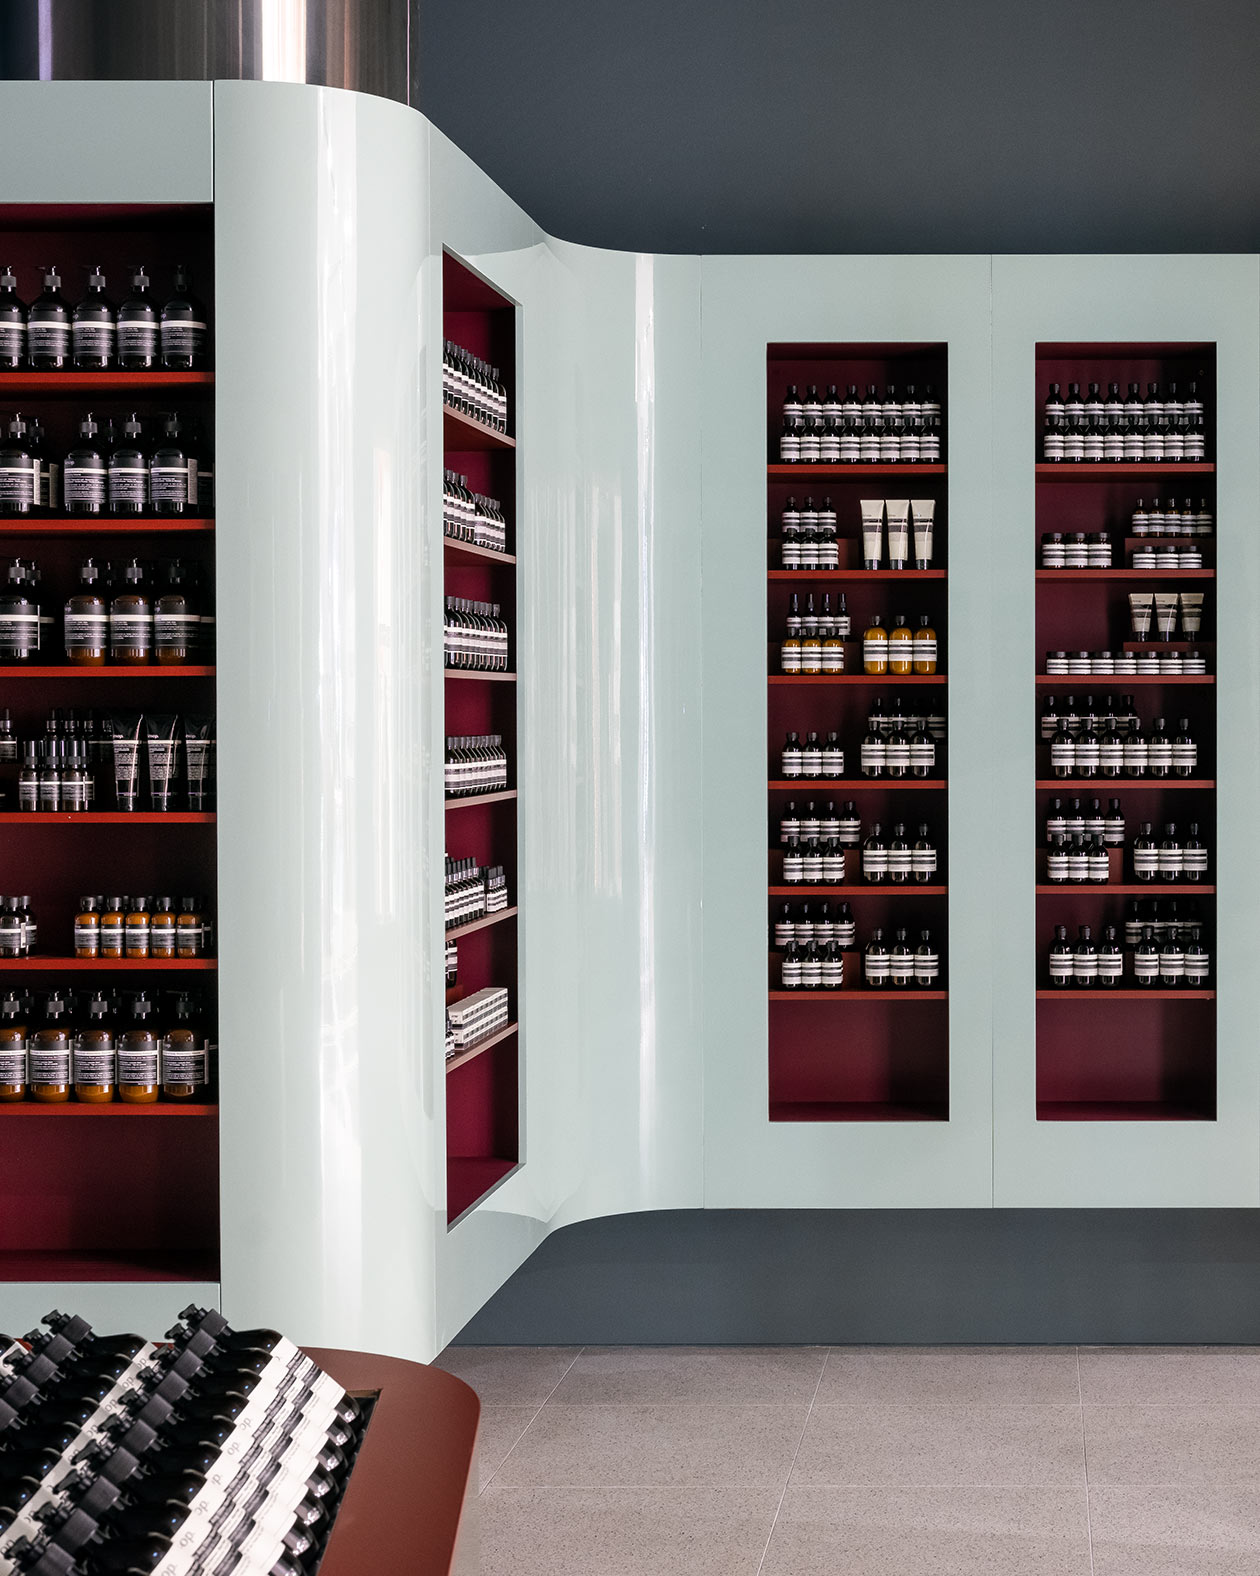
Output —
<point x="8" y="279"/>
<point x="96" y="277"/>
<point x="139" y="277"/>
<point x="132" y="427"/>
<point x="52" y="277"/>
<point x="89" y="572"/>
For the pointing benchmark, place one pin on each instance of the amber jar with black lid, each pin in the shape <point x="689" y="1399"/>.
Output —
<point x="139" y="1075"/>
<point x="162" y="928"/>
<point x="50" y="1047"/>
<point x="184" y="1071"/>
<point x="93" y="1060"/>
<point x="12" y="1048"/>
<point x="87" y="928"/>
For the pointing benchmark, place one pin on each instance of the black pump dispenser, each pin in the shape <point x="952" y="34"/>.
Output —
<point x="92" y="330"/>
<point x="12" y="322"/>
<point x="183" y="327"/>
<point x="138" y="326"/>
<point x="84" y="473"/>
<point x="48" y="326"/>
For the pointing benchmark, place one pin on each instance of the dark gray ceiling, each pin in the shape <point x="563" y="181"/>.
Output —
<point x="860" y="125"/>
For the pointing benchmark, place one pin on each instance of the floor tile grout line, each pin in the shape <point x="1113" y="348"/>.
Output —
<point x="774" y="1520"/>
<point x="484" y="1486"/>
<point x="1089" y="1520"/>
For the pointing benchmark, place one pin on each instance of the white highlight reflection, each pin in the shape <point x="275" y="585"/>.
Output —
<point x="645" y="762"/>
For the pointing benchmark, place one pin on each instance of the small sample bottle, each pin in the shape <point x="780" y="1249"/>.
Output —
<point x="49" y="1069"/>
<point x="87" y="619"/>
<point x="182" y="328"/>
<point x="12" y="1049"/>
<point x="162" y="929"/>
<point x="92" y="1060"/>
<point x="924" y="646"/>
<point x="92" y="327"/>
<point x="48" y="327"/>
<point x="113" y="928"/>
<point x="136" y="928"/>
<point x="184" y="1070"/>
<point x="12" y="323"/>
<point x="131" y="620"/>
<point x="875" y="647"/>
<point x="87" y="928"/>
<point x="138" y="326"/>
<point x="139" y="1055"/>
<point x="900" y="648"/>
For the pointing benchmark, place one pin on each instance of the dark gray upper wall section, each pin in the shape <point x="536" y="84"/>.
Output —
<point x="860" y="125"/>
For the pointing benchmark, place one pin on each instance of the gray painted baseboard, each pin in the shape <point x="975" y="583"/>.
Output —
<point x="713" y="1277"/>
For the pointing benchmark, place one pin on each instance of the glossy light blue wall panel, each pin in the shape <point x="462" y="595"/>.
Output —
<point x="108" y="142"/>
<point x="330" y="1093"/>
<point x="147" y="1308"/>
<point x="747" y="303"/>
<point x="608" y="643"/>
<point x="1109" y="299"/>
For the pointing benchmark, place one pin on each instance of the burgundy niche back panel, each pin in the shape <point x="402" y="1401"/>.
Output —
<point x="865" y="1051"/>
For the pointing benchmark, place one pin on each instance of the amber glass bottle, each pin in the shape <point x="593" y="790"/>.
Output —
<point x="87" y="928"/>
<point x="87" y="620"/>
<point x="875" y="647"/>
<point x="162" y="928"/>
<point x="139" y="1077"/>
<point x="174" y="621"/>
<point x="924" y="646"/>
<point x="131" y="620"/>
<point x="188" y="929"/>
<point x="50" y="1054"/>
<point x="184" y="1054"/>
<point x="113" y="928"/>
<point x="94" y="1070"/>
<point x="136" y="932"/>
<point x="12" y="1049"/>
<point x="900" y="648"/>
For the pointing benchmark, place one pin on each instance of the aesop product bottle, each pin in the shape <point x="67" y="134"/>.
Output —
<point x="791" y="756"/>
<point x="927" y="964"/>
<point x="924" y="647"/>
<point x="12" y="1049"/>
<point x="900" y="856"/>
<point x="875" y="961"/>
<point x="1194" y="856"/>
<point x="1145" y="854"/>
<point x="1110" y="959"/>
<point x="182" y="330"/>
<point x="138" y="326"/>
<point x="128" y="477"/>
<point x="49" y="1070"/>
<point x="923" y="856"/>
<point x="92" y="327"/>
<point x="12" y="323"/>
<point x="139" y="1070"/>
<point x="131" y="620"/>
<point x="1085" y="959"/>
<point x="874" y="751"/>
<point x="48" y="327"/>
<point x="87" y="619"/>
<point x="922" y="752"/>
<point x="1197" y="961"/>
<point x="84" y="474"/>
<point x="19" y="475"/>
<point x="900" y="647"/>
<point x="1185" y="753"/>
<point x="900" y="961"/>
<point x="172" y="474"/>
<point x="92" y="1058"/>
<point x="1146" y="959"/>
<point x="1171" y="855"/>
<point x="875" y="855"/>
<point x="1062" y="963"/>
<point x="875" y="647"/>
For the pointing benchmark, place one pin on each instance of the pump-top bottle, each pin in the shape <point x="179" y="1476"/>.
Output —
<point x="128" y="477"/>
<point x="13" y="1033"/>
<point x="172" y="479"/>
<point x="184" y="1070"/>
<point x="131" y="620"/>
<point x="48" y="327"/>
<point x="138" y="326"/>
<point x="12" y="323"/>
<point x="84" y="473"/>
<point x="49" y="1075"/>
<point x="183" y="327"/>
<point x="87" y="619"/>
<point x="92" y="327"/>
<point x="19" y="477"/>
<point x="92" y="1057"/>
<point x="139" y="1074"/>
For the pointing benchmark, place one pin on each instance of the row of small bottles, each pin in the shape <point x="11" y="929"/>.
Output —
<point x="1167" y="519"/>
<point x="1076" y="550"/>
<point x="1083" y="857"/>
<point x="898" y="650"/>
<point x="903" y="965"/>
<point x="1167" y="428"/>
<point x="1103" y="664"/>
<point x="59" y="771"/>
<point x="473" y="891"/>
<point x="95" y="336"/>
<point x="142" y="927"/>
<point x="475" y="764"/>
<point x="809" y="535"/>
<point x="131" y="614"/>
<point x="813" y="640"/>
<point x="117" y="472"/>
<point x="474" y="636"/>
<point x="813" y="851"/>
<point x="1176" y="958"/>
<point x="133" y="1048"/>
<point x="472" y="385"/>
<point x="1127" y="752"/>
<point x="216" y="1450"/>
<point x="899" y="754"/>
<point x="471" y="517"/>
<point x="829" y="430"/>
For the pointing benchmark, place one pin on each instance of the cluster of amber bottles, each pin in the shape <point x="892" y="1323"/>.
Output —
<point x="139" y="927"/>
<point x="899" y="650"/>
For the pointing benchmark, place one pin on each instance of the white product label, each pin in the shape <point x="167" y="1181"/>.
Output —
<point x="897" y="754"/>
<point x="1063" y="755"/>
<point x="922" y="755"/>
<point x="923" y="861"/>
<point x="1087" y="755"/>
<point x="138" y="1066"/>
<point x="1061" y="966"/>
<point x="94" y="1067"/>
<point x="874" y="862"/>
<point x="877" y="968"/>
<point x="12" y="1062"/>
<point x="86" y="631"/>
<point x="1145" y="967"/>
<point x="874" y="756"/>
<point x="1159" y="756"/>
<point x="1185" y="756"/>
<point x="1135" y="755"/>
<point x="1110" y="965"/>
<point x="901" y="968"/>
<point x="1111" y="756"/>
<point x="50" y="1065"/>
<point x="49" y="339"/>
<point x="924" y="650"/>
<point x="170" y="484"/>
<point x="128" y="484"/>
<point x="899" y="862"/>
<point x="1195" y="861"/>
<point x="875" y="653"/>
<point x="1145" y="861"/>
<point x="1085" y="966"/>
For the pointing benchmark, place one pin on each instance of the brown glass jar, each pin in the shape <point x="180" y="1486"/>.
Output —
<point x="93" y="1063"/>
<point x="188" y="929"/>
<point x="184" y="1054"/>
<point x="49" y="1056"/>
<point x="12" y="1049"/>
<point x="162" y="928"/>
<point x="139" y="1055"/>
<point x="136" y="928"/>
<point x="87" y="929"/>
<point x="113" y="928"/>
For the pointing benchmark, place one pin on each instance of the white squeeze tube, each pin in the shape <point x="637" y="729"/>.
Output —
<point x="1191" y="613"/>
<point x="1166" y="614"/>
<point x="872" y="532"/>
<point x="898" y="532"/>
<point x="923" y="510"/>
<point x="1140" y="605"/>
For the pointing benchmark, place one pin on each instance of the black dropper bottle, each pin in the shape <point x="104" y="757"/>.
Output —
<point x="48" y="326"/>
<point x="183" y="327"/>
<point x="138" y="326"/>
<point x="92" y="327"/>
<point x="12" y="323"/>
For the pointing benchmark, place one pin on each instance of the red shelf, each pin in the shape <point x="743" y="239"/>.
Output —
<point x="465" y="552"/>
<point x="116" y="1108"/>
<point x="71" y="670"/>
<point x="81" y="1265"/>
<point x="483" y="678"/>
<point x="851" y="785"/>
<point x="858" y="678"/>
<point x="105" y="526"/>
<point x="1103" y="470"/>
<point x="1119" y="681"/>
<point x="481" y="924"/>
<point x="1118" y="1111"/>
<point x="460" y="433"/>
<point x="1106" y="993"/>
<point x="855" y="574"/>
<point x="853" y="1111"/>
<point x="845" y="890"/>
<point x="468" y="800"/>
<point x="1103" y="575"/>
<point x="862" y="994"/>
<point x="481" y="1047"/>
<point x="1128" y="889"/>
<point x="109" y="964"/>
<point x="1115" y="785"/>
<point x="837" y="473"/>
<point x="107" y="818"/>
<point x="101" y="382"/>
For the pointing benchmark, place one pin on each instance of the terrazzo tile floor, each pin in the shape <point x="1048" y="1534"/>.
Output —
<point x="876" y="1461"/>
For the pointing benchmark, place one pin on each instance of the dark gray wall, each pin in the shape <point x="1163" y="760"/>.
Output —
<point x="886" y="1277"/>
<point x="860" y="125"/>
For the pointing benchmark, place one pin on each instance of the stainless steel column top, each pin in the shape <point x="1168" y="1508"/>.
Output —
<point x="368" y="45"/>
